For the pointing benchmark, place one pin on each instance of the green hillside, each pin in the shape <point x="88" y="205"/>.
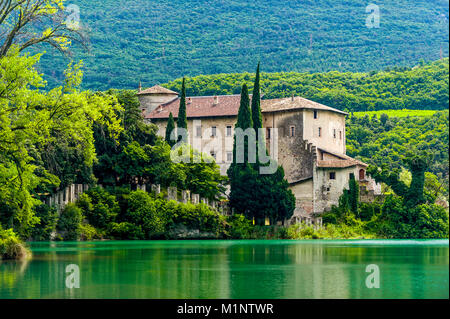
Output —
<point x="157" y="41"/>
<point x="424" y="87"/>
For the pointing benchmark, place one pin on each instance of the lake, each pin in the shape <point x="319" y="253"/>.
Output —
<point x="231" y="269"/>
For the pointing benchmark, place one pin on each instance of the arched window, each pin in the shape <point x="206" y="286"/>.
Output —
<point x="362" y="174"/>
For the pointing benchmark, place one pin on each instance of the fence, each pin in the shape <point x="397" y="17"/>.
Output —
<point x="73" y="192"/>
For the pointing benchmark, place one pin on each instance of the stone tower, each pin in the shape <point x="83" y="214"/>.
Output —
<point x="151" y="98"/>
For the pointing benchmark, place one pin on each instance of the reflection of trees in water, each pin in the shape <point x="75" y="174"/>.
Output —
<point x="233" y="269"/>
<point x="11" y="271"/>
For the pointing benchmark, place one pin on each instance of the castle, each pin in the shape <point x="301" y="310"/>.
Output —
<point x="310" y="137"/>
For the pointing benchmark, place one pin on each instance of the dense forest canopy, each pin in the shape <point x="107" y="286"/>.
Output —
<point x="157" y="41"/>
<point x="422" y="87"/>
<point x="385" y="141"/>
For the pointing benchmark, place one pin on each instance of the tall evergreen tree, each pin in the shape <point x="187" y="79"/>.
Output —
<point x="238" y="173"/>
<point x="257" y="196"/>
<point x="256" y="103"/>
<point x="169" y="129"/>
<point x="256" y="111"/>
<point x="353" y="193"/>
<point x="182" y="117"/>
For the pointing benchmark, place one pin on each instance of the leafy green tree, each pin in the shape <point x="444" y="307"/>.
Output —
<point x="29" y="116"/>
<point x="69" y="223"/>
<point x="34" y="22"/>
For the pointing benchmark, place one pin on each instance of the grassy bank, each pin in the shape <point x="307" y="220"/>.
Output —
<point x="11" y="247"/>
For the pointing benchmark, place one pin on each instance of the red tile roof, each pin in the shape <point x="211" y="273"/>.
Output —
<point x="157" y="89"/>
<point x="199" y="106"/>
<point x="296" y="102"/>
<point x="228" y="105"/>
<point x="341" y="160"/>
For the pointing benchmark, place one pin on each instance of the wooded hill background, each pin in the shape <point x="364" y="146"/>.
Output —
<point x="158" y="41"/>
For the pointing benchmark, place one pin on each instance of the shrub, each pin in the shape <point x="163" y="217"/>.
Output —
<point x="142" y="210"/>
<point x="11" y="247"/>
<point x="69" y="223"/>
<point x="126" y="230"/>
<point x="88" y="232"/>
<point x="47" y="226"/>
<point x="240" y="227"/>
<point x="99" y="207"/>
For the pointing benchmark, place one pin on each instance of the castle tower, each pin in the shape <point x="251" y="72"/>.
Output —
<point x="151" y="98"/>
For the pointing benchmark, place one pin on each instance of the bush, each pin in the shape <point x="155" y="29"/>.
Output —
<point x="126" y="230"/>
<point x="48" y="217"/>
<point x="69" y="223"/>
<point x="88" y="232"/>
<point x="99" y="207"/>
<point x="11" y="247"/>
<point x="240" y="227"/>
<point x="142" y="211"/>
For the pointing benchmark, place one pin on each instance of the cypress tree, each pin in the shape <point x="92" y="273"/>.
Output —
<point x="353" y="194"/>
<point x="182" y="117"/>
<point x="241" y="175"/>
<point x="170" y="127"/>
<point x="244" y="120"/>
<point x="257" y="196"/>
<point x="256" y="111"/>
<point x="256" y="103"/>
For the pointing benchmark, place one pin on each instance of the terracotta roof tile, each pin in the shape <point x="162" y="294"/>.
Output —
<point x="341" y="161"/>
<point x="157" y="89"/>
<point x="297" y="102"/>
<point x="199" y="106"/>
<point x="228" y="105"/>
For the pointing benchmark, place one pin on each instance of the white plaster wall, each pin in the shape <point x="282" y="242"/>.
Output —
<point x="327" y="121"/>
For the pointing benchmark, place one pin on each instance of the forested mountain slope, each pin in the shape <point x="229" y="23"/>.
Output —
<point x="419" y="88"/>
<point x="158" y="41"/>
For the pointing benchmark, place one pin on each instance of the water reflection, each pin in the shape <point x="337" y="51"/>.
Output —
<point x="231" y="269"/>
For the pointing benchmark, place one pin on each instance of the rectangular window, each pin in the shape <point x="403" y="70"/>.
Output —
<point x="315" y="115"/>
<point x="229" y="157"/>
<point x="320" y="131"/>
<point x="198" y="131"/>
<point x="229" y="130"/>
<point x="332" y="175"/>
<point x="268" y="133"/>
<point x="213" y="131"/>
<point x="292" y="131"/>
<point x="334" y="133"/>
<point x="340" y="135"/>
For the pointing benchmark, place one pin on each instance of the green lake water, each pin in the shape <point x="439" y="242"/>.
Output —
<point x="231" y="269"/>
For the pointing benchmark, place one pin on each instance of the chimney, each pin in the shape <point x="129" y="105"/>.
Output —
<point x="140" y="86"/>
<point x="292" y="97"/>
<point x="216" y="100"/>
